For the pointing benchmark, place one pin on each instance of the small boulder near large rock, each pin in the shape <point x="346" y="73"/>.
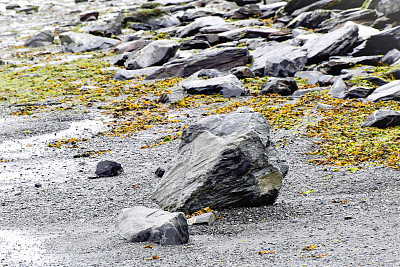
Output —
<point x="382" y="118"/>
<point x="141" y="224"/>
<point x="390" y="91"/>
<point x="223" y="161"/>
<point x="281" y="86"/>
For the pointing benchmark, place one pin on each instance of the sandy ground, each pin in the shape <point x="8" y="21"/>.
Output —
<point x="352" y="219"/>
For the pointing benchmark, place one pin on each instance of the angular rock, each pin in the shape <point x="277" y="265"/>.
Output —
<point x="382" y="119"/>
<point x="338" y="89"/>
<point x="220" y="59"/>
<point x="246" y="32"/>
<point x="380" y="43"/>
<point x="43" y="38"/>
<point x="194" y="44"/>
<point x="284" y="62"/>
<point x="335" y="43"/>
<point x="245" y="2"/>
<point x="131" y="46"/>
<point x="359" y="92"/>
<point x="199" y="23"/>
<point x="311" y="77"/>
<point x="123" y="74"/>
<point x="364" y="16"/>
<point x="155" y="53"/>
<point x="391" y="57"/>
<point x="247" y="12"/>
<point x="106" y="30"/>
<point x="141" y="224"/>
<point x="223" y="161"/>
<point x="90" y="16"/>
<point x="281" y="86"/>
<point x="294" y="5"/>
<point x="390" y="91"/>
<point x="242" y="72"/>
<point x="108" y="169"/>
<point x="311" y="19"/>
<point x="82" y="42"/>
<point x="336" y="64"/>
<point x="227" y="86"/>
<point x="329" y="4"/>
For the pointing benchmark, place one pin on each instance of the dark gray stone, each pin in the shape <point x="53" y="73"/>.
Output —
<point x="359" y="92"/>
<point x="223" y="161"/>
<point x="43" y="38"/>
<point x="390" y="91"/>
<point x="155" y="53"/>
<point x="132" y="46"/>
<point x="82" y="42"/>
<point x="90" y="16"/>
<point x="194" y="44"/>
<point x="123" y="74"/>
<point x="336" y="64"/>
<point x="199" y="23"/>
<point x="108" y="169"/>
<point x="160" y="172"/>
<point x="141" y="224"/>
<point x="106" y="30"/>
<point x="246" y="32"/>
<point x="391" y="57"/>
<point x="284" y="62"/>
<point x="311" y="19"/>
<point x="227" y="86"/>
<point x="382" y="119"/>
<point x="329" y="4"/>
<point x="365" y="17"/>
<point x="247" y="12"/>
<point x="220" y="59"/>
<point x="380" y="43"/>
<point x="242" y="72"/>
<point x="281" y="86"/>
<point x="335" y="43"/>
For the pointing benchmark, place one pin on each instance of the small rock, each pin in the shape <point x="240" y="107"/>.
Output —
<point x="382" y="119"/>
<point x="108" y="168"/>
<point x="208" y="218"/>
<point x="282" y="86"/>
<point x="159" y="172"/>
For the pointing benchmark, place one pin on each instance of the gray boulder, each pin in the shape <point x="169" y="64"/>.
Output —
<point x="338" y="89"/>
<point x="328" y="4"/>
<point x="223" y="161"/>
<point x="227" y="86"/>
<point x="382" y="119"/>
<point x="43" y="38"/>
<point x="392" y="57"/>
<point x="335" y="43"/>
<point x="81" y="42"/>
<point x="311" y="19"/>
<point x="199" y="23"/>
<point x="281" y="86"/>
<point x="141" y="224"/>
<point x="155" y="53"/>
<point x="365" y="17"/>
<point x="242" y="72"/>
<point x="284" y="62"/>
<point x="380" y="43"/>
<point x="359" y="92"/>
<point x="220" y="59"/>
<point x="390" y="91"/>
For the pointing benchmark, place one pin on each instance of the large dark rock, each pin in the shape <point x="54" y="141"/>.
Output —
<point x="220" y="59"/>
<point x="359" y="92"/>
<point x="281" y="86"/>
<point x="223" y="161"/>
<point x="380" y="43"/>
<point x="155" y="53"/>
<point x="390" y="91"/>
<point x="335" y="43"/>
<point x="82" y="42"/>
<point x="246" y="32"/>
<point x="392" y="57"/>
<point x="43" y="38"/>
<point x="284" y="62"/>
<point x="294" y="5"/>
<point x="106" y="30"/>
<point x="227" y="86"/>
<point x="382" y="119"/>
<point x="141" y="224"/>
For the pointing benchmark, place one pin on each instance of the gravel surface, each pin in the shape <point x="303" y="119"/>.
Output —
<point x="53" y="215"/>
